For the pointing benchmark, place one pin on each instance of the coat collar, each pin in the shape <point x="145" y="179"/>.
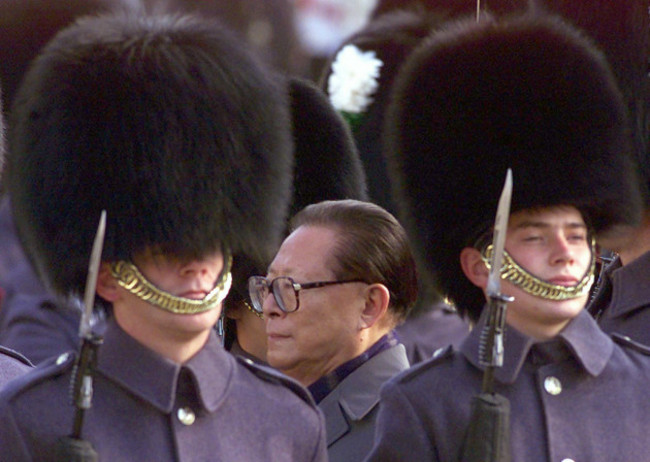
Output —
<point x="153" y="378"/>
<point x="358" y="394"/>
<point x="627" y="285"/>
<point x="582" y="338"/>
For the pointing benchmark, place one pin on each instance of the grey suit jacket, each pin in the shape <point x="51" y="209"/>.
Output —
<point x="351" y="408"/>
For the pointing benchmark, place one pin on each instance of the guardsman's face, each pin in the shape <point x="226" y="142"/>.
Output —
<point x="553" y="245"/>
<point x="189" y="279"/>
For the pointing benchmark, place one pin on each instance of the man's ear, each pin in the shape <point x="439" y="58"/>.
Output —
<point x="107" y="286"/>
<point x="474" y="267"/>
<point x="377" y="298"/>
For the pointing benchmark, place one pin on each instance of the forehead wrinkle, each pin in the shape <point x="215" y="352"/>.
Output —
<point x="293" y="271"/>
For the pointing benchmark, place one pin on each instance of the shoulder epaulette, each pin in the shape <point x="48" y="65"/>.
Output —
<point x="438" y="356"/>
<point x="15" y="355"/>
<point x="271" y="375"/>
<point x="43" y="371"/>
<point x="626" y="341"/>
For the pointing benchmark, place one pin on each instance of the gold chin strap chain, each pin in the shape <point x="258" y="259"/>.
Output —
<point x="255" y="312"/>
<point x="130" y="278"/>
<point x="511" y="271"/>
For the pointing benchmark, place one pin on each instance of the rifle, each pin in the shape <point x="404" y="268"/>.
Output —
<point x="488" y="435"/>
<point x="73" y="448"/>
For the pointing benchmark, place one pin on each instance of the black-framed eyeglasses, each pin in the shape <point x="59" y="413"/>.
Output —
<point x="284" y="289"/>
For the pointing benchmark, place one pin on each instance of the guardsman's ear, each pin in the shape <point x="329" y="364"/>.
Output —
<point x="377" y="298"/>
<point x="107" y="286"/>
<point x="474" y="267"/>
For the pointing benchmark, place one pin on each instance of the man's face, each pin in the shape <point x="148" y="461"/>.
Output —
<point x="189" y="279"/>
<point x="323" y="333"/>
<point x="552" y="244"/>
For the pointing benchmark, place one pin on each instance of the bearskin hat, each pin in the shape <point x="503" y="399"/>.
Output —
<point x="327" y="164"/>
<point x="622" y="31"/>
<point x="169" y="124"/>
<point x="619" y="28"/>
<point x="528" y="93"/>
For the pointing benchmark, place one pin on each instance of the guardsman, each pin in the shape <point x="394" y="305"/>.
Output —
<point x="532" y="94"/>
<point x="178" y="132"/>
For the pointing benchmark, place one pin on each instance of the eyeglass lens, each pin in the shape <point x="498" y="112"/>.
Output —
<point x="282" y="289"/>
<point x="284" y="294"/>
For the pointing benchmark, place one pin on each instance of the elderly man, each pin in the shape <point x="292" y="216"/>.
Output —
<point x="341" y="281"/>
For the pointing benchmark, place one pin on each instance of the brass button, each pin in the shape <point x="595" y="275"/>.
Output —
<point x="62" y="358"/>
<point x="552" y="385"/>
<point x="186" y="415"/>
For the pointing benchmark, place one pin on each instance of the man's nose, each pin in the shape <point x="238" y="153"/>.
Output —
<point x="562" y="250"/>
<point x="270" y="306"/>
<point x="198" y="268"/>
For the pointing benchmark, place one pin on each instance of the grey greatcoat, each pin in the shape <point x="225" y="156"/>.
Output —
<point x="622" y="302"/>
<point x="350" y="409"/>
<point x="145" y="407"/>
<point x="12" y="365"/>
<point x="582" y="396"/>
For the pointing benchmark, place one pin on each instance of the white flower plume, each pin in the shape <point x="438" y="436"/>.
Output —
<point x="354" y="79"/>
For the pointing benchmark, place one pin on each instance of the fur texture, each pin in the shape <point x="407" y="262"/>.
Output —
<point x="327" y="164"/>
<point x="621" y="29"/>
<point x="528" y="93"/>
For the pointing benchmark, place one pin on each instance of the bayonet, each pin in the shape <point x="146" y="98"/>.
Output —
<point x="82" y="383"/>
<point x="492" y="337"/>
<point x="488" y="434"/>
<point x="85" y="328"/>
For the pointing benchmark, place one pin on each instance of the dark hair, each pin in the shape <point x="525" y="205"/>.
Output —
<point x="372" y="246"/>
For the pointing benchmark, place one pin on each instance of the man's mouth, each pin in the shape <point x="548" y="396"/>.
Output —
<point x="194" y="294"/>
<point x="566" y="281"/>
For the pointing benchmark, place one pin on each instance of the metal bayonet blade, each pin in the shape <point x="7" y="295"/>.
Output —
<point x="499" y="237"/>
<point x="91" y="280"/>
